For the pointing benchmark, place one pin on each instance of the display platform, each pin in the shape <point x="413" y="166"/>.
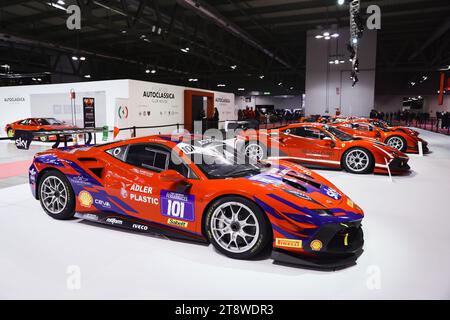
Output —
<point x="406" y="256"/>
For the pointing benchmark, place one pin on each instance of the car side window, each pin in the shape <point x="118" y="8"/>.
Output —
<point x="310" y="133"/>
<point x="148" y="157"/>
<point x="361" y="126"/>
<point x="118" y="152"/>
<point x="25" y="122"/>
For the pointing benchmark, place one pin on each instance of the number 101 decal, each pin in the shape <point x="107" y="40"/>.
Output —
<point x="177" y="205"/>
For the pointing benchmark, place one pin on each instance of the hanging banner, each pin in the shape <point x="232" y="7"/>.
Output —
<point x="89" y="112"/>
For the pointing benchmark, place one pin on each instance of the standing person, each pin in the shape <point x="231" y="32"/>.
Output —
<point x="216" y="114"/>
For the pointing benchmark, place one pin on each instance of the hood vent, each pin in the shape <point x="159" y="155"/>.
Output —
<point x="310" y="182"/>
<point x="295" y="185"/>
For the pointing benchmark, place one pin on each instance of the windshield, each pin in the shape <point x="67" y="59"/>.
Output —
<point x="48" y="121"/>
<point x="381" y="125"/>
<point x="216" y="162"/>
<point x="338" y="133"/>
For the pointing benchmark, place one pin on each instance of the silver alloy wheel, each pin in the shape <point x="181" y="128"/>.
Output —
<point x="395" y="142"/>
<point x="357" y="160"/>
<point x="254" y="151"/>
<point x="235" y="227"/>
<point x="54" y="195"/>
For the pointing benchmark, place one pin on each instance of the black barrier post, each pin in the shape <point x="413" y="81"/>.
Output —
<point x="178" y="127"/>
<point x="134" y="132"/>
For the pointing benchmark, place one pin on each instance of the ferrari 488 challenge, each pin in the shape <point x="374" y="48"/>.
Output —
<point x="397" y="139"/>
<point x="198" y="190"/>
<point x="321" y="145"/>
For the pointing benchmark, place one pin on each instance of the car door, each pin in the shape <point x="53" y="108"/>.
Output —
<point x="312" y="145"/>
<point x="134" y="177"/>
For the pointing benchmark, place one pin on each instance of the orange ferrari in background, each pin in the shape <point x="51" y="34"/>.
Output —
<point x="383" y="124"/>
<point x="397" y="139"/>
<point x="322" y="145"/>
<point x="37" y="124"/>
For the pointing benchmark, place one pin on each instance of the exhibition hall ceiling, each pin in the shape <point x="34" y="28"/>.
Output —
<point x="254" y="44"/>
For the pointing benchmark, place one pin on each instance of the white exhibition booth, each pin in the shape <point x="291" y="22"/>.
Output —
<point x="121" y="103"/>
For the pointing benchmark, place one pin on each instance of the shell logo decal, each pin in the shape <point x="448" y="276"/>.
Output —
<point x="316" y="245"/>
<point x="85" y="199"/>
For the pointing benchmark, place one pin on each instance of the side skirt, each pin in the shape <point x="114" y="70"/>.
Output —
<point x="140" y="226"/>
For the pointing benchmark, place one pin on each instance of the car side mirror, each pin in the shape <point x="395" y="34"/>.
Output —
<point x="171" y="176"/>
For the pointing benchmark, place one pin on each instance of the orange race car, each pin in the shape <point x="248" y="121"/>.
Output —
<point x="37" y="124"/>
<point x="198" y="190"/>
<point x="322" y="145"/>
<point x="382" y="124"/>
<point x="397" y="139"/>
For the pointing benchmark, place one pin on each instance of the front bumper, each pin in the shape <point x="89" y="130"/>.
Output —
<point x="399" y="164"/>
<point x="342" y="244"/>
<point x="318" y="263"/>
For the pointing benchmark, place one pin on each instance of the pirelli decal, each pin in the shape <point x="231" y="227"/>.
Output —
<point x="288" y="243"/>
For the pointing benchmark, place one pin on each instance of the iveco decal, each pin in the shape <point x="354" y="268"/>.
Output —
<point x="159" y="95"/>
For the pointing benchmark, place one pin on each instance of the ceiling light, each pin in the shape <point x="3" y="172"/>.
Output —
<point x="355" y="40"/>
<point x="34" y="79"/>
<point x="82" y="58"/>
<point x="193" y="80"/>
<point x="147" y="71"/>
<point x="57" y="6"/>
<point x="61" y="2"/>
<point x="292" y="88"/>
<point x="75" y="58"/>
<point x="233" y="67"/>
<point x="241" y="89"/>
<point x="319" y="36"/>
<point x="267" y="93"/>
<point x="327" y="38"/>
<point x="326" y="34"/>
<point x="280" y="83"/>
<point x="221" y="85"/>
<point x="261" y="76"/>
<point x="340" y="2"/>
<point x="123" y="31"/>
<point x="39" y="79"/>
<point x="335" y="35"/>
<point x="185" y="50"/>
<point x="153" y="71"/>
<point x="88" y="76"/>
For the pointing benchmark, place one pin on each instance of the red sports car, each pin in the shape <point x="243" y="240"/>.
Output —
<point x="321" y="145"/>
<point x="199" y="190"/>
<point x="382" y="124"/>
<point x="397" y="139"/>
<point x="37" y="124"/>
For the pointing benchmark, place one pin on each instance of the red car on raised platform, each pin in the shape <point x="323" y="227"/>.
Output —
<point x="37" y="124"/>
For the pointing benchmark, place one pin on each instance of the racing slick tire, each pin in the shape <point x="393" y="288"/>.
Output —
<point x="255" y="151"/>
<point x="237" y="227"/>
<point x="56" y="195"/>
<point x="358" y="160"/>
<point x="397" y="142"/>
<point x="10" y="132"/>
